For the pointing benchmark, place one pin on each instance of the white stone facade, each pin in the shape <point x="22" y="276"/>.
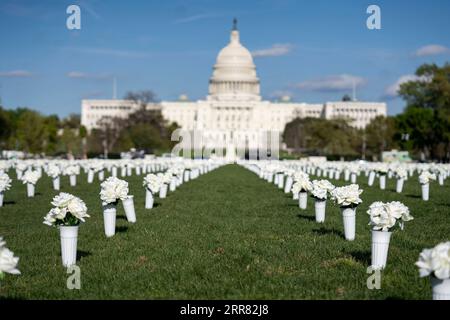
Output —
<point x="234" y="108"/>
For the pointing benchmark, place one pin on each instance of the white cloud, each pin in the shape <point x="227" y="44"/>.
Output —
<point x="431" y="50"/>
<point x="84" y="75"/>
<point x="16" y="74"/>
<point x="392" y="90"/>
<point x="274" y="51"/>
<point x="332" y="83"/>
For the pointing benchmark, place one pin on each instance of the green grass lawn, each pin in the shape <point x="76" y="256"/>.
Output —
<point x="225" y="235"/>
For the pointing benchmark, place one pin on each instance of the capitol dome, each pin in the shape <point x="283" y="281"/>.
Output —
<point x="234" y="74"/>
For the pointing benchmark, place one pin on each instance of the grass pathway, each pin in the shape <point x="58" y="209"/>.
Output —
<point x="225" y="235"/>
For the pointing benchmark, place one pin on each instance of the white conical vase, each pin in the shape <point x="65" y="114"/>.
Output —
<point x="56" y="183"/>
<point x="295" y="196"/>
<point x="280" y="181"/>
<point x="114" y="171"/>
<point x="349" y="217"/>
<point x="90" y="177"/>
<point x="109" y="219"/>
<point x="382" y="181"/>
<point x="353" y="177"/>
<point x="380" y="247"/>
<point x="101" y="175"/>
<point x="186" y="175"/>
<point x="69" y="238"/>
<point x="320" y="206"/>
<point x="288" y="184"/>
<point x="163" y="191"/>
<point x="148" y="199"/>
<point x="30" y="190"/>
<point x="371" y="178"/>
<point x="173" y="184"/>
<point x="73" y="180"/>
<point x="441" y="179"/>
<point x="346" y="175"/>
<point x="399" y="187"/>
<point x="425" y="192"/>
<point x="303" y="200"/>
<point x="128" y="206"/>
<point x="2" y="195"/>
<point x="441" y="288"/>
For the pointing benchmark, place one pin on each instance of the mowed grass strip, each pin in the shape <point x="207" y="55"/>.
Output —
<point x="225" y="235"/>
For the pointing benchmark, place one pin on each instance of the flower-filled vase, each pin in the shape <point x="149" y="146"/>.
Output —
<point x="67" y="214"/>
<point x="434" y="263"/>
<point x="383" y="218"/>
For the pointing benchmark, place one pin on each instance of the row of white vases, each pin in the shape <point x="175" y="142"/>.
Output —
<point x="380" y="239"/>
<point x="69" y="234"/>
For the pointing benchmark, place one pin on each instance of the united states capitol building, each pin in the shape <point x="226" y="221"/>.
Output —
<point x="234" y="109"/>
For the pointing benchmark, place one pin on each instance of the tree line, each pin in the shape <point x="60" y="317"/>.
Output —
<point x="423" y="128"/>
<point x="48" y="135"/>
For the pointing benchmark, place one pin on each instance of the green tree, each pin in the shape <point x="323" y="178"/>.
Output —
<point x="428" y="104"/>
<point x="380" y="135"/>
<point x="31" y="132"/>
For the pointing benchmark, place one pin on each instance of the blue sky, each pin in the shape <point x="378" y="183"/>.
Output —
<point x="311" y="50"/>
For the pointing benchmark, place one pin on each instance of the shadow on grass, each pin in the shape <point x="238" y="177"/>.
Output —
<point x="324" y="231"/>
<point x="121" y="229"/>
<point x="5" y="203"/>
<point x="309" y="218"/>
<point x="415" y="196"/>
<point x="364" y="257"/>
<point x="83" y="254"/>
<point x="122" y="217"/>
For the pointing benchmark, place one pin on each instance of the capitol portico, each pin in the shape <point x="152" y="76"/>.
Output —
<point x="233" y="108"/>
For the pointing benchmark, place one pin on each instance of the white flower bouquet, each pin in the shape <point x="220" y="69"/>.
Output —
<point x="30" y="177"/>
<point x="5" y="182"/>
<point x="321" y="188"/>
<point x="435" y="263"/>
<point x="400" y="172"/>
<point x="347" y="196"/>
<point x="8" y="263"/>
<point x="152" y="182"/>
<point x="68" y="211"/>
<point x="71" y="170"/>
<point x="382" y="169"/>
<point x="53" y="171"/>
<point x="426" y="176"/>
<point x="113" y="190"/>
<point x="384" y="216"/>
